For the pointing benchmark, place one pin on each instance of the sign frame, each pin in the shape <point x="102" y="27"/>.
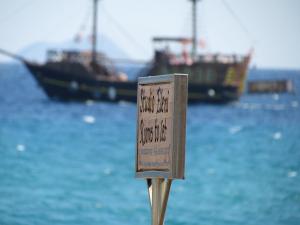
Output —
<point x="178" y="111"/>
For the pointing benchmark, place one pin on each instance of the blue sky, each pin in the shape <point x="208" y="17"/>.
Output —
<point x="271" y="27"/>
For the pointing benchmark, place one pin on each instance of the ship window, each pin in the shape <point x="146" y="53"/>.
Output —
<point x="53" y="56"/>
<point x="211" y="75"/>
<point x="187" y="70"/>
<point x="197" y="74"/>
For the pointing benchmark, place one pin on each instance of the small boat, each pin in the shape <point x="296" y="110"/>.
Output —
<point x="270" y="86"/>
<point x="81" y="76"/>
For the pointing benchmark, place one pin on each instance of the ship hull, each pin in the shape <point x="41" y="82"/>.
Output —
<point x="65" y="86"/>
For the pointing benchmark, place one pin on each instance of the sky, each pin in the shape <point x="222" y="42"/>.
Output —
<point x="271" y="27"/>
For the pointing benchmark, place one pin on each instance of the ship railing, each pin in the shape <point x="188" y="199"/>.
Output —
<point x="185" y="58"/>
<point x="221" y="58"/>
<point x="83" y="57"/>
<point x="208" y="58"/>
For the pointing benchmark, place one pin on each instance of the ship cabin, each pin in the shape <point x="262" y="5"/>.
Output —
<point x="202" y="68"/>
<point x="84" y="57"/>
<point x="81" y="61"/>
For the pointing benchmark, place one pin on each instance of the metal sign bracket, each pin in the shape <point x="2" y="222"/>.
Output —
<point x="158" y="190"/>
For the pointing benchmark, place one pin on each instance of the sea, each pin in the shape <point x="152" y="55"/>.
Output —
<point x="74" y="163"/>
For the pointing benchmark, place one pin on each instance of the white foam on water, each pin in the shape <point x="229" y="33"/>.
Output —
<point x="276" y="97"/>
<point x="295" y="104"/>
<point x="279" y="107"/>
<point x="211" y="171"/>
<point x="246" y="106"/>
<point x="124" y="103"/>
<point x="277" y="135"/>
<point x="89" y="102"/>
<point x="258" y="106"/>
<point x="20" y="147"/>
<point x="250" y="106"/>
<point x="98" y="205"/>
<point x="235" y="129"/>
<point x="254" y="106"/>
<point x="179" y="189"/>
<point x="292" y="174"/>
<point x="107" y="171"/>
<point x="275" y="106"/>
<point x="89" y="119"/>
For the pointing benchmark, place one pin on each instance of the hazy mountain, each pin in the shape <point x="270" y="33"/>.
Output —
<point x="37" y="51"/>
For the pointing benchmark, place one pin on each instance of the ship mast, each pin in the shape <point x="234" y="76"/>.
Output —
<point x="194" y="28"/>
<point x="94" y="35"/>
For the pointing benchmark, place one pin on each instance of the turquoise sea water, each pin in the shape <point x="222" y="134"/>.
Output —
<point x="74" y="163"/>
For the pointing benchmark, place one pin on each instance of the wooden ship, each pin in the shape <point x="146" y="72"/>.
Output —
<point x="81" y="76"/>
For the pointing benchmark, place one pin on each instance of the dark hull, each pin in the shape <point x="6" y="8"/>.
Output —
<point x="67" y="87"/>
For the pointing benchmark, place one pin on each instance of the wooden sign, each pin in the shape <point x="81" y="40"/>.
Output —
<point x="161" y="114"/>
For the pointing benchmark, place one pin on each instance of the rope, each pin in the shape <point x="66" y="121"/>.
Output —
<point x="131" y="39"/>
<point x="234" y="15"/>
<point x="15" y="11"/>
<point x="59" y="22"/>
<point x="85" y="21"/>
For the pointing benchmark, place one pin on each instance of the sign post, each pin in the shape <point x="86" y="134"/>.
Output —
<point x="160" y="147"/>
